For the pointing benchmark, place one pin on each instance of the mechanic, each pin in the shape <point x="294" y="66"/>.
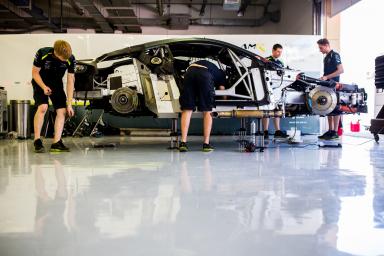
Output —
<point x="277" y="50"/>
<point x="198" y="90"/>
<point x="332" y="70"/>
<point x="49" y="67"/>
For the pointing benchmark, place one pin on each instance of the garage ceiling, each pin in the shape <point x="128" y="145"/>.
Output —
<point x="108" y="16"/>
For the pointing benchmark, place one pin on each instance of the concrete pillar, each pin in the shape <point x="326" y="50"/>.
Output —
<point x="331" y="26"/>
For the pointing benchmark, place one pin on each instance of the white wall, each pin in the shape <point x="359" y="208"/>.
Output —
<point x="17" y="51"/>
<point x="361" y="41"/>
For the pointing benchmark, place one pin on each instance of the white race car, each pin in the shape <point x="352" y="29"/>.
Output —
<point x="147" y="79"/>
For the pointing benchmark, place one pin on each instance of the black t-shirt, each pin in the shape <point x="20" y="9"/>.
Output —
<point x="331" y="61"/>
<point x="52" y="69"/>
<point x="276" y="61"/>
<point x="217" y="74"/>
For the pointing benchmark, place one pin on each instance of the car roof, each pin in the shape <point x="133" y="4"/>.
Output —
<point x="179" y="47"/>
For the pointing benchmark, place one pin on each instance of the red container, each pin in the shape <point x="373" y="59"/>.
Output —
<point x="340" y="131"/>
<point x="355" y="127"/>
<point x="340" y="128"/>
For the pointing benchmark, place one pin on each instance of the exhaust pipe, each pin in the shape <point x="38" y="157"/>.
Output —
<point x="248" y="113"/>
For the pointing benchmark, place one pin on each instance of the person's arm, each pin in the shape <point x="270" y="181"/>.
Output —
<point x="339" y="71"/>
<point x="37" y="78"/>
<point x="70" y="85"/>
<point x="70" y="89"/>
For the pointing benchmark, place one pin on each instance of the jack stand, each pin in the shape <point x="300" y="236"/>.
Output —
<point x="174" y="135"/>
<point x="243" y="129"/>
<point x="84" y="124"/>
<point x="260" y="143"/>
<point x="256" y="141"/>
<point x="99" y="121"/>
<point x="50" y="123"/>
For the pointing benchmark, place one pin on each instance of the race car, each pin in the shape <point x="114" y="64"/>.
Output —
<point x="146" y="80"/>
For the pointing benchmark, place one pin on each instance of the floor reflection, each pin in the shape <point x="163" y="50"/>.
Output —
<point x="141" y="199"/>
<point x="377" y="161"/>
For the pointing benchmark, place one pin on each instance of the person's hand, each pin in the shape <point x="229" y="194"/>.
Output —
<point x="324" y="78"/>
<point x="47" y="90"/>
<point x="70" y="111"/>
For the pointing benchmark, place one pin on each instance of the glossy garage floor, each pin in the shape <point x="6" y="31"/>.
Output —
<point x="141" y="199"/>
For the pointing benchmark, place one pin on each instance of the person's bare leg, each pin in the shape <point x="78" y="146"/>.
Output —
<point x="336" y="120"/>
<point x="185" y="179"/>
<point x="265" y="123"/>
<point x="185" y="121"/>
<point x="207" y="126"/>
<point x="62" y="191"/>
<point x="38" y="119"/>
<point x="59" y="124"/>
<point x="208" y="177"/>
<point x="330" y="123"/>
<point x="40" y="184"/>
<point x="276" y="122"/>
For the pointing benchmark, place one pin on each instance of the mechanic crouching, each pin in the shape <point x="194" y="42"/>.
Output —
<point x="198" y="91"/>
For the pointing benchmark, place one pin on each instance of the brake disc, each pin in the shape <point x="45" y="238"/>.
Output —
<point x="124" y="100"/>
<point x="322" y="100"/>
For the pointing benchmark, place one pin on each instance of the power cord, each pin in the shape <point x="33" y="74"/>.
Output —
<point x="291" y="139"/>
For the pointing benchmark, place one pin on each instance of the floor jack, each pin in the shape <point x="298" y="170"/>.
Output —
<point x="329" y="143"/>
<point x="295" y="138"/>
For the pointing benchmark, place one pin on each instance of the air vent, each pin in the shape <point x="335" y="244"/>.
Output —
<point x="231" y="5"/>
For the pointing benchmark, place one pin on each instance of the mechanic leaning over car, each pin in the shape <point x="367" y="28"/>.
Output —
<point x="277" y="50"/>
<point x="332" y="70"/>
<point x="199" y="84"/>
<point x="49" y="67"/>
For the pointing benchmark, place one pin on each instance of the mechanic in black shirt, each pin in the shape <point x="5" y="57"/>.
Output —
<point x="333" y="68"/>
<point x="200" y="81"/>
<point x="277" y="50"/>
<point x="49" y="67"/>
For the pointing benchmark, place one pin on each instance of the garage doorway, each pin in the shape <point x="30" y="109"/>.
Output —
<point x="361" y="41"/>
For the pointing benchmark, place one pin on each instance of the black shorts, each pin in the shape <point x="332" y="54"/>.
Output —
<point x="58" y="97"/>
<point x="336" y="112"/>
<point x="198" y="90"/>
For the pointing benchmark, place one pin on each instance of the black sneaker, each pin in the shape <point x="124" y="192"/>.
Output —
<point x="266" y="135"/>
<point x="207" y="148"/>
<point x="332" y="135"/>
<point x="38" y="144"/>
<point x="59" y="147"/>
<point x="280" y="134"/>
<point x="325" y="135"/>
<point x="183" y="147"/>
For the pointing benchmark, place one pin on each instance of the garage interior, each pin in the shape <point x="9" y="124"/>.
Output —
<point x="125" y="188"/>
